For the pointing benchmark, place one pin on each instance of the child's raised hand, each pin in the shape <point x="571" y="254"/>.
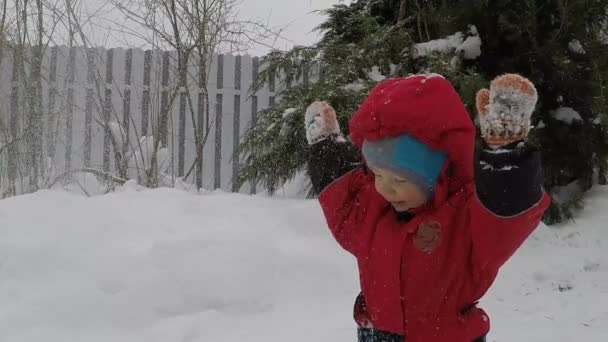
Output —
<point x="505" y="110"/>
<point x="320" y="122"/>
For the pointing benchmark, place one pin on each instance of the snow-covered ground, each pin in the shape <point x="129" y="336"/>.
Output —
<point x="175" y="266"/>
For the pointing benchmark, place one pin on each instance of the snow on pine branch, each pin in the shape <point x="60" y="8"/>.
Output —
<point x="576" y="47"/>
<point x="469" y="46"/>
<point x="567" y="115"/>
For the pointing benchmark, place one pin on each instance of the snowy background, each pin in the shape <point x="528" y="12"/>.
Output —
<point x="174" y="265"/>
<point x="171" y="265"/>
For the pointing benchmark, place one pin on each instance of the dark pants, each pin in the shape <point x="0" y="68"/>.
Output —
<point x="373" y="335"/>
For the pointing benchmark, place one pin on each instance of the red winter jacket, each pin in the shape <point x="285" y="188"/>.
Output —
<point x="422" y="278"/>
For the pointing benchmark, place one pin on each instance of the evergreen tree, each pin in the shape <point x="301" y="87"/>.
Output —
<point x="562" y="46"/>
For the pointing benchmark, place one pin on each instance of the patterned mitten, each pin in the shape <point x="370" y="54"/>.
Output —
<point x="320" y="122"/>
<point x="505" y="110"/>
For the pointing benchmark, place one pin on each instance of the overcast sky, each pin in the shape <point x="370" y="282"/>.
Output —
<point x="295" y="17"/>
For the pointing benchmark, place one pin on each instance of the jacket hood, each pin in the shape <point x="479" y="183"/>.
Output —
<point x="428" y="108"/>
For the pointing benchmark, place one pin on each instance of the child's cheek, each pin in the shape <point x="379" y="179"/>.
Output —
<point x="382" y="188"/>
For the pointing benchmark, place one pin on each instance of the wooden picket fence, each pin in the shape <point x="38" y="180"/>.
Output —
<point x="127" y="86"/>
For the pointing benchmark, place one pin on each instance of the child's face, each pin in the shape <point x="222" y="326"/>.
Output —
<point x="401" y="194"/>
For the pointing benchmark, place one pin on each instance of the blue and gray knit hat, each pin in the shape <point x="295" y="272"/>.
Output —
<point x="408" y="158"/>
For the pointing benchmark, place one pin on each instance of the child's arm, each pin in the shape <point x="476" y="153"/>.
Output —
<point x="345" y="206"/>
<point x="509" y="181"/>
<point x="510" y="201"/>
<point x="329" y="159"/>
<point x="337" y="176"/>
<point x="329" y="155"/>
<point x="508" y="206"/>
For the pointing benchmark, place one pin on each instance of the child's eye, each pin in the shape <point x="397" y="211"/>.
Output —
<point x="400" y="180"/>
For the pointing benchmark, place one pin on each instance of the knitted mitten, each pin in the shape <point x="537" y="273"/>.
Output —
<point x="320" y="122"/>
<point x="505" y="110"/>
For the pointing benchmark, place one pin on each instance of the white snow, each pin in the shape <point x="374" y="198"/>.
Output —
<point x="564" y="193"/>
<point x="118" y="132"/>
<point x="498" y="150"/>
<point x="376" y="75"/>
<point x="288" y="112"/>
<point x="470" y="47"/>
<point x="144" y="151"/>
<point x="393" y="68"/>
<point x="355" y="86"/>
<point x="272" y="125"/>
<point x="83" y="183"/>
<point x="298" y="187"/>
<point x="567" y="115"/>
<point x="167" y="265"/>
<point x="440" y="45"/>
<point x="576" y="47"/>
<point x="487" y="166"/>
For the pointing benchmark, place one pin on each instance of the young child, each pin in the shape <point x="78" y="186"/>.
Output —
<point x="429" y="224"/>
